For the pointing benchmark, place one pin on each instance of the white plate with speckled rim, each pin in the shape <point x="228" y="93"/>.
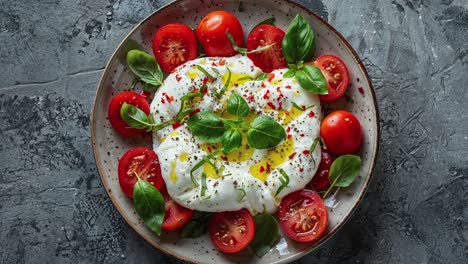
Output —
<point x="108" y="146"/>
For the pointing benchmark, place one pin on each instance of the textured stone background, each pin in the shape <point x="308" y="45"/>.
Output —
<point x="53" y="208"/>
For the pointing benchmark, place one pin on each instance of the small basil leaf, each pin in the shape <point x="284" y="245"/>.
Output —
<point x="311" y="79"/>
<point x="344" y="170"/>
<point x="237" y="106"/>
<point x="149" y="204"/>
<point x="197" y="226"/>
<point x="266" y="234"/>
<point x="264" y="133"/>
<point x="289" y="74"/>
<point x="145" y="67"/>
<point x="134" y="116"/>
<point x="208" y="126"/>
<point x="299" y="42"/>
<point x="232" y="140"/>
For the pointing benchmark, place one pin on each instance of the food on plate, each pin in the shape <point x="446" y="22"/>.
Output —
<point x="237" y="133"/>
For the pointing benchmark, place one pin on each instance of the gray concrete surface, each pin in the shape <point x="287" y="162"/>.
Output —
<point x="53" y="208"/>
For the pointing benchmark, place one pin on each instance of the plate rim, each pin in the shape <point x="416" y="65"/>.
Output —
<point x="331" y="232"/>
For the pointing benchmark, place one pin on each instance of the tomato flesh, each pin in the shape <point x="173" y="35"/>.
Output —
<point x="139" y="162"/>
<point x="271" y="58"/>
<point x="303" y="216"/>
<point x="321" y="179"/>
<point x="176" y="216"/>
<point x="341" y="132"/>
<point x="173" y="45"/>
<point x="336" y="74"/>
<point x="211" y="32"/>
<point x="114" y="112"/>
<point x="231" y="232"/>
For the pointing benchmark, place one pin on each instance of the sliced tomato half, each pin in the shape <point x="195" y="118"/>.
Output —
<point x="336" y="73"/>
<point x="114" y="112"/>
<point x="271" y="58"/>
<point x="176" y="216"/>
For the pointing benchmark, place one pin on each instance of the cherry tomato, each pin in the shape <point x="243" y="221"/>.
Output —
<point x="231" y="232"/>
<point x="341" y="132"/>
<point x="211" y="32"/>
<point x="303" y="216"/>
<point x="114" y="112"/>
<point x="176" y="216"/>
<point x="142" y="162"/>
<point x="321" y="179"/>
<point x="336" y="73"/>
<point x="173" y="45"/>
<point x="269" y="59"/>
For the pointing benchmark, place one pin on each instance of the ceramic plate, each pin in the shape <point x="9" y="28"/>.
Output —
<point x="109" y="146"/>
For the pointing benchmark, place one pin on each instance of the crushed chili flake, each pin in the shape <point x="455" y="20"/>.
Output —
<point x="289" y="136"/>
<point x="250" y="98"/>
<point x="194" y="112"/>
<point x="311" y="114"/>
<point x="267" y="95"/>
<point x="361" y="90"/>
<point x="271" y="77"/>
<point x="292" y="155"/>
<point x="262" y="169"/>
<point x="214" y="64"/>
<point x="195" y="90"/>
<point x="163" y="101"/>
<point x="278" y="89"/>
<point x="224" y="158"/>
<point x="176" y="125"/>
<point x="263" y="85"/>
<point x="222" y="62"/>
<point x="306" y="152"/>
<point x="268" y="167"/>
<point x="302" y="135"/>
<point x="280" y="105"/>
<point x="178" y="78"/>
<point x="288" y="129"/>
<point x="301" y="169"/>
<point x="271" y="105"/>
<point x="288" y="87"/>
<point x="205" y="80"/>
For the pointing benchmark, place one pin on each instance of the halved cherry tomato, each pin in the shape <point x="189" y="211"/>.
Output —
<point x="341" y="132"/>
<point x="231" y="232"/>
<point x="141" y="162"/>
<point x="173" y="45"/>
<point x="269" y="59"/>
<point x="211" y="32"/>
<point x="321" y="180"/>
<point x="114" y="112"/>
<point x="303" y="216"/>
<point x="336" y="73"/>
<point x="176" y="216"/>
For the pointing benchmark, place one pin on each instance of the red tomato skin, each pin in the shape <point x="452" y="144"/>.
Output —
<point x="180" y="34"/>
<point x="127" y="182"/>
<point x="338" y="89"/>
<point x="116" y="121"/>
<point x="272" y="58"/>
<point x="211" y="32"/>
<point x="311" y="199"/>
<point x="321" y="179"/>
<point x="341" y="132"/>
<point x="223" y="218"/>
<point x="176" y="216"/>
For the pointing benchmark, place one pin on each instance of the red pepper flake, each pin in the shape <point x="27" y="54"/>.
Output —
<point x="205" y="80"/>
<point x="306" y="152"/>
<point x="262" y="169"/>
<point x="311" y="114"/>
<point x="361" y="90"/>
<point x="263" y="85"/>
<point x="224" y="158"/>
<point x="168" y="98"/>
<point x="288" y="129"/>
<point x="214" y="64"/>
<point x="194" y="112"/>
<point x="222" y="62"/>
<point x="268" y="167"/>
<point x="302" y="135"/>
<point x="278" y="89"/>
<point x="301" y="169"/>
<point x="292" y="155"/>
<point x="289" y="136"/>
<point x="205" y="91"/>
<point x="271" y="105"/>
<point x="178" y="78"/>
<point x="176" y="125"/>
<point x="267" y="95"/>
<point x="163" y="101"/>
<point x="280" y="105"/>
<point x="288" y="87"/>
<point x="250" y="98"/>
<point x="271" y="77"/>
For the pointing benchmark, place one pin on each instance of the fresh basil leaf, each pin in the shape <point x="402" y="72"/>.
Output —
<point x="311" y="79"/>
<point x="134" y="116"/>
<point x="145" y="67"/>
<point x="343" y="171"/>
<point x="289" y="74"/>
<point x="284" y="179"/>
<point x="262" y="77"/>
<point x="200" y="68"/>
<point x="208" y="126"/>
<point x="232" y="140"/>
<point x="149" y="204"/>
<point x="237" y="106"/>
<point x="264" y="133"/>
<point x="266" y="234"/>
<point x="268" y="21"/>
<point x="233" y="123"/>
<point x="197" y="226"/>
<point x="299" y="41"/>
